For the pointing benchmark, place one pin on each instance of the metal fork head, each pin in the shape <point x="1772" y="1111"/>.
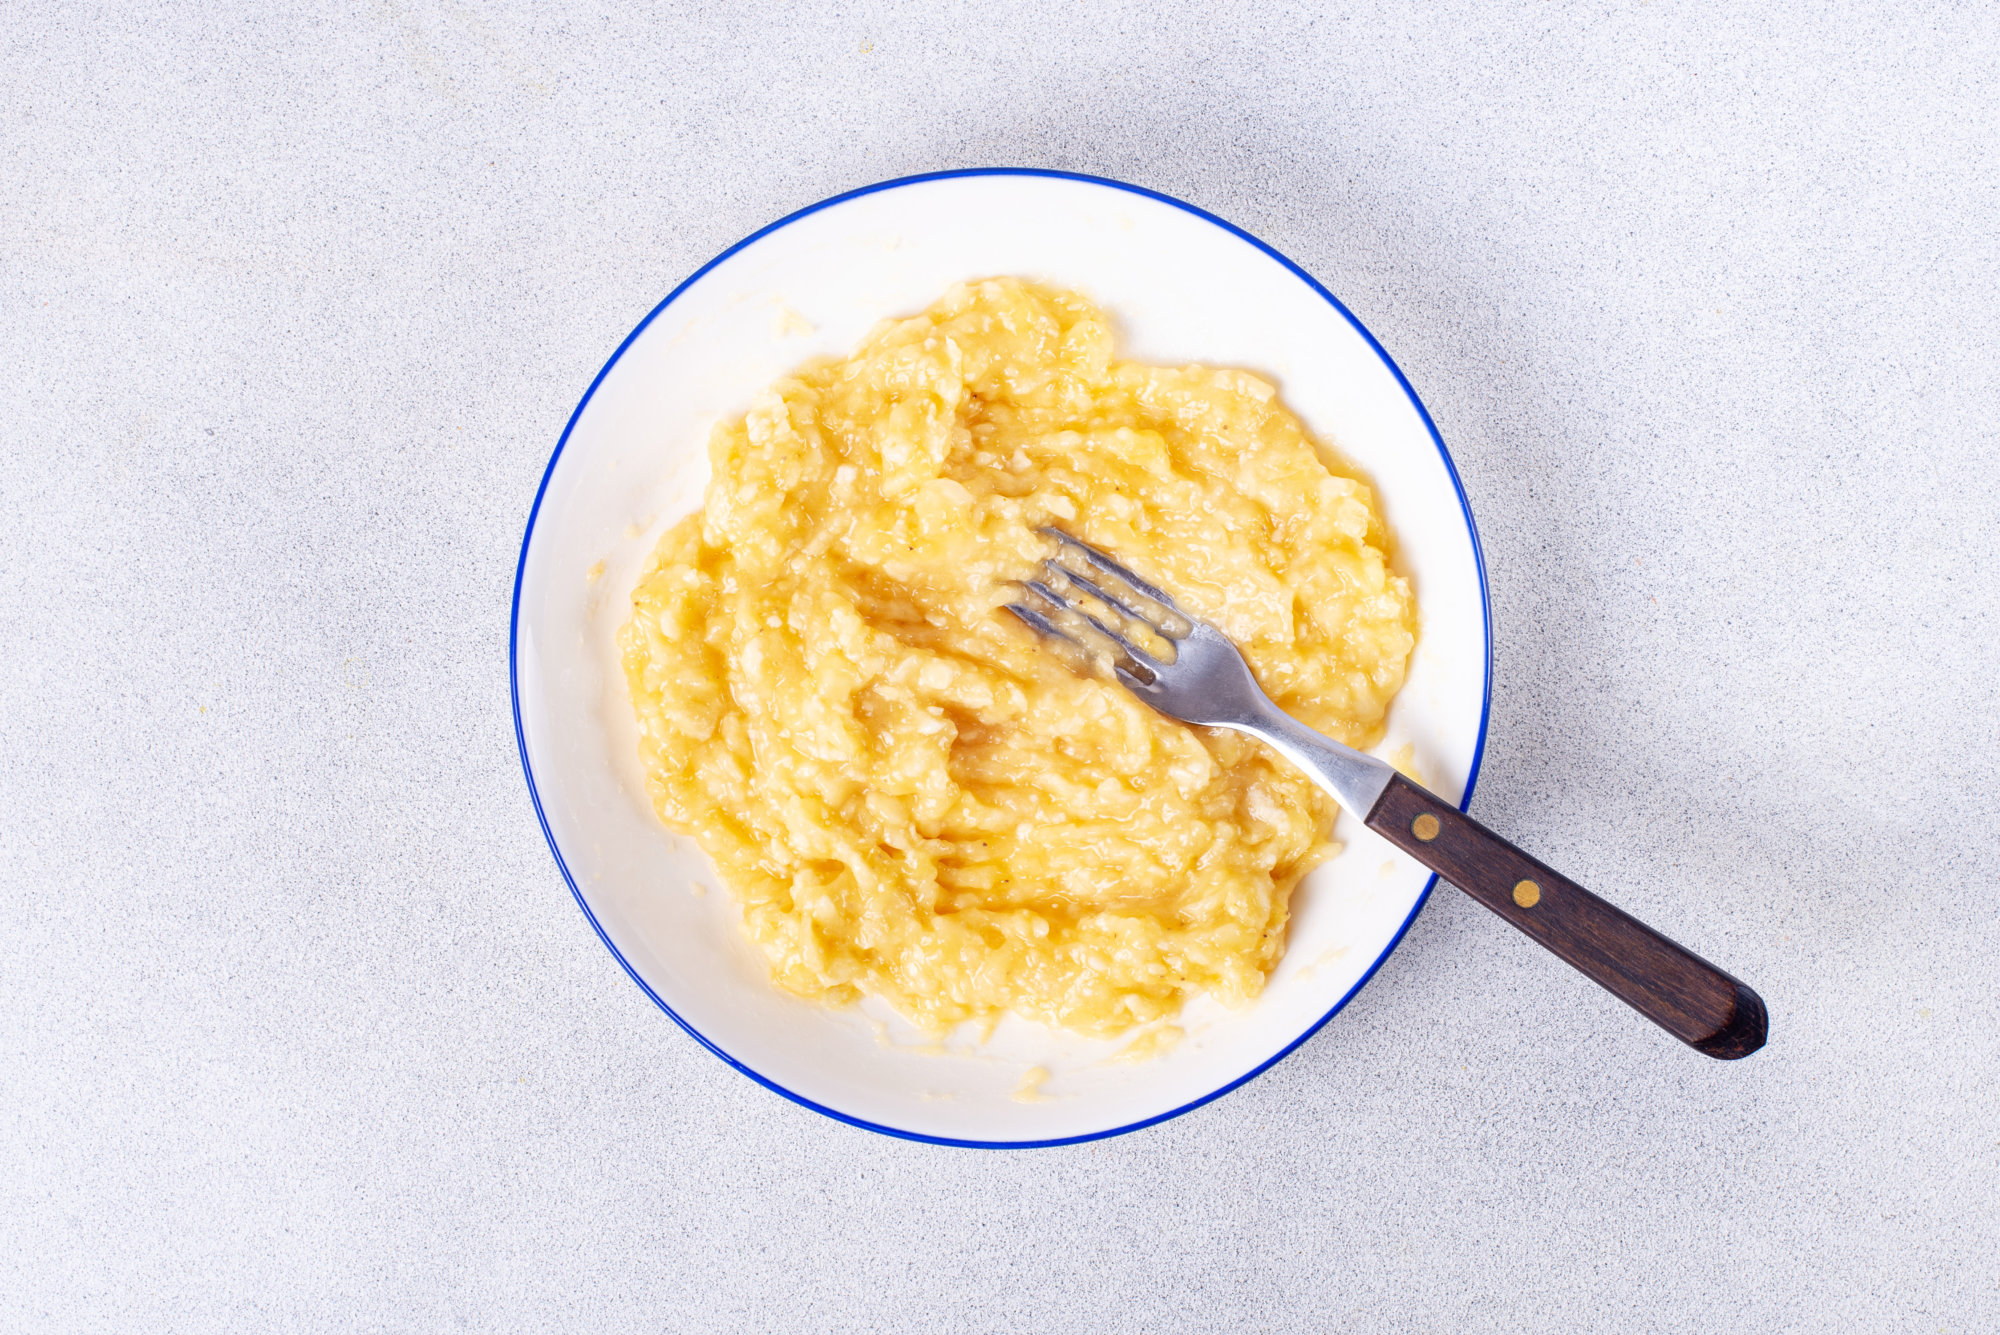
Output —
<point x="1101" y="617"/>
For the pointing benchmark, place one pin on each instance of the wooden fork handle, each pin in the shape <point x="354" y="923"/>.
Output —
<point x="1668" y="984"/>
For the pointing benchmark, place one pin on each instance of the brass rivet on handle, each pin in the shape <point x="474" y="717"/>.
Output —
<point x="1527" y="894"/>
<point x="1425" y="827"/>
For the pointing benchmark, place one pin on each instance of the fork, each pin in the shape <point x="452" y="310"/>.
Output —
<point x="1102" y="616"/>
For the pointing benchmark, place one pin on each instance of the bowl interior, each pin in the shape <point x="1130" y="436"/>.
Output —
<point x="1181" y="287"/>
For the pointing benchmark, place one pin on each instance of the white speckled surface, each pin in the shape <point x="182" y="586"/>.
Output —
<point x="299" y="1028"/>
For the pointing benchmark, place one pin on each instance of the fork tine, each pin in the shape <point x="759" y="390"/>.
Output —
<point x="1116" y="636"/>
<point x="1038" y="623"/>
<point x="1081" y="655"/>
<point x="1165" y="616"/>
<point x="1156" y="627"/>
<point x="1108" y="598"/>
<point x="1111" y="567"/>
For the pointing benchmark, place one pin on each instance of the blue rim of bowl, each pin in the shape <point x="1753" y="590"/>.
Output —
<point x="514" y="640"/>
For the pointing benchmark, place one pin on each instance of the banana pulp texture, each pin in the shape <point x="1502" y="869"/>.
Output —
<point x="909" y="795"/>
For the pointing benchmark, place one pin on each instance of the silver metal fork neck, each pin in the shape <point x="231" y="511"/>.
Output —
<point x="1354" y="779"/>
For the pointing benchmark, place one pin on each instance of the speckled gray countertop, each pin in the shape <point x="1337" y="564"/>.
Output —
<point x="299" y="1027"/>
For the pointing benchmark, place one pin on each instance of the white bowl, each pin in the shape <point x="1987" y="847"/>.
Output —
<point x="1182" y="286"/>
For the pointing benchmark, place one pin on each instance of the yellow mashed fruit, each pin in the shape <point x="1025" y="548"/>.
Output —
<point x="908" y="794"/>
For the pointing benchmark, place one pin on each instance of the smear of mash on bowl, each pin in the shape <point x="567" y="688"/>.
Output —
<point x="907" y="794"/>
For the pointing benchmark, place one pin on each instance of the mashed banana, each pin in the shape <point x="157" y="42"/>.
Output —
<point x="911" y="797"/>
